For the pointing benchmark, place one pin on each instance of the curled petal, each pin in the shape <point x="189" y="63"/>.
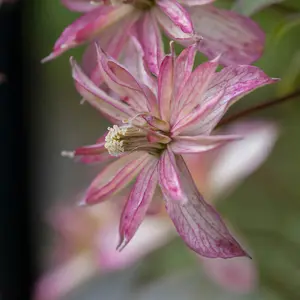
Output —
<point x="199" y="225"/>
<point x="149" y="36"/>
<point x="88" y="27"/>
<point x="97" y="97"/>
<point x="82" y="5"/>
<point x="177" y="14"/>
<point x="165" y="87"/>
<point x="238" y="38"/>
<point x="138" y="202"/>
<point x="115" y="177"/>
<point x="201" y="143"/>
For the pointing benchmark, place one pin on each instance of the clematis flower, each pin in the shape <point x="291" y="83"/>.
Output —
<point x="87" y="236"/>
<point x="237" y="37"/>
<point x="155" y="125"/>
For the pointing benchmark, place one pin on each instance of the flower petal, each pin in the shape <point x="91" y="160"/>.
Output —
<point x="149" y="36"/>
<point x="177" y="14"/>
<point x="238" y="38"/>
<point x="194" y="88"/>
<point x="115" y="177"/>
<point x="200" y="143"/>
<point x="98" y="98"/>
<point x="199" y="225"/>
<point x="172" y="30"/>
<point x="195" y="2"/>
<point x="165" y="87"/>
<point x="82" y="5"/>
<point x="88" y="27"/>
<point x="138" y="202"/>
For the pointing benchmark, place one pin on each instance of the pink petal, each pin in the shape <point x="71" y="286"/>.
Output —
<point x="98" y="98"/>
<point x="177" y="14"/>
<point x="149" y="35"/>
<point x="195" y="2"/>
<point x="200" y="143"/>
<point x="183" y="68"/>
<point x="138" y="202"/>
<point x="199" y="225"/>
<point x="82" y="5"/>
<point x="165" y="87"/>
<point x="238" y="275"/>
<point x="88" y="27"/>
<point x="238" y="38"/>
<point x="194" y="88"/>
<point x="115" y="177"/>
<point x="198" y="119"/>
<point x="123" y="83"/>
<point x="172" y="30"/>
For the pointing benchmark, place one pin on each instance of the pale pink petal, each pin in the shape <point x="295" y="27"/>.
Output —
<point x="194" y="88"/>
<point x="197" y="119"/>
<point x="82" y="5"/>
<point x="153" y="233"/>
<point x="172" y="30"/>
<point x="138" y="202"/>
<point x="238" y="274"/>
<point x="165" y="87"/>
<point x="199" y="225"/>
<point x="122" y="82"/>
<point x="200" y="143"/>
<point x="177" y="14"/>
<point x="88" y="26"/>
<point x="195" y="2"/>
<point x="115" y="177"/>
<point x="149" y="36"/>
<point x="98" y="98"/>
<point x="236" y="161"/>
<point x="184" y="64"/>
<point x="236" y="37"/>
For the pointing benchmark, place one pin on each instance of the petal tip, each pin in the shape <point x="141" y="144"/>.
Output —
<point x="51" y="56"/>
<point x="69" y="154"/>
<point x="122" y="244"/>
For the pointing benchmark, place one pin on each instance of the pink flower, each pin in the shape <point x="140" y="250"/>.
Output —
<point x="155" y="125"/>
<point x="237" y="37"/>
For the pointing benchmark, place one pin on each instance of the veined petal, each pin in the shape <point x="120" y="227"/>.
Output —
<point x="177" y="14"/>
<point x="198" y="223"/>
<point x="172" y="30"/>
<point x="88" y="27"/>
<point x="122" y="82"/>
<point x="149" y="36"/>
<point x="197" y="119"/>
<point x="195" y="2"/>
<point x="238" y="38"/>
<point x="115" y="177"/>
<point x="169" y="180"/>
<point x="138" y="202"/>
<point x="82" y="5"/>
<point x="200" y="143"/>
<point x="183" y="68"/>
<point x="165" y="87"/>
<point x="195" y="87"/>
<point x="98" y="98"/>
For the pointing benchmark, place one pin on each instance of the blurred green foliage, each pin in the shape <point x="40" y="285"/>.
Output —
<point x="266" y="208"/>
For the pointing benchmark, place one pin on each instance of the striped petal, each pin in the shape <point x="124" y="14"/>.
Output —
<point x="88" y="26"/>
<point x="238" y="38"/>
<point x="98" y="98"/>
<point x="200" y="143"/>
<point x="138" y="202"/>
<point x="177" y="14"/>
<point x="115" y="177"/>
<point x="199" y="225"/>
<point x="149" y="36"/>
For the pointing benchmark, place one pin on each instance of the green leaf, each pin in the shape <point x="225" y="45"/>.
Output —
<point x="249" y="7"/>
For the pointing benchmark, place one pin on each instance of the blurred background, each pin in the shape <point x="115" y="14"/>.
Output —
<point x="264" y="210"/>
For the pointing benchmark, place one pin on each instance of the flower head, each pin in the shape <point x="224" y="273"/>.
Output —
<point x="154" y="125"/>
<point x="238" y="38"/>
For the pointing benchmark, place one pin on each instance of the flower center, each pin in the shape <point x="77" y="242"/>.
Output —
<point x="128" y="138"/>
